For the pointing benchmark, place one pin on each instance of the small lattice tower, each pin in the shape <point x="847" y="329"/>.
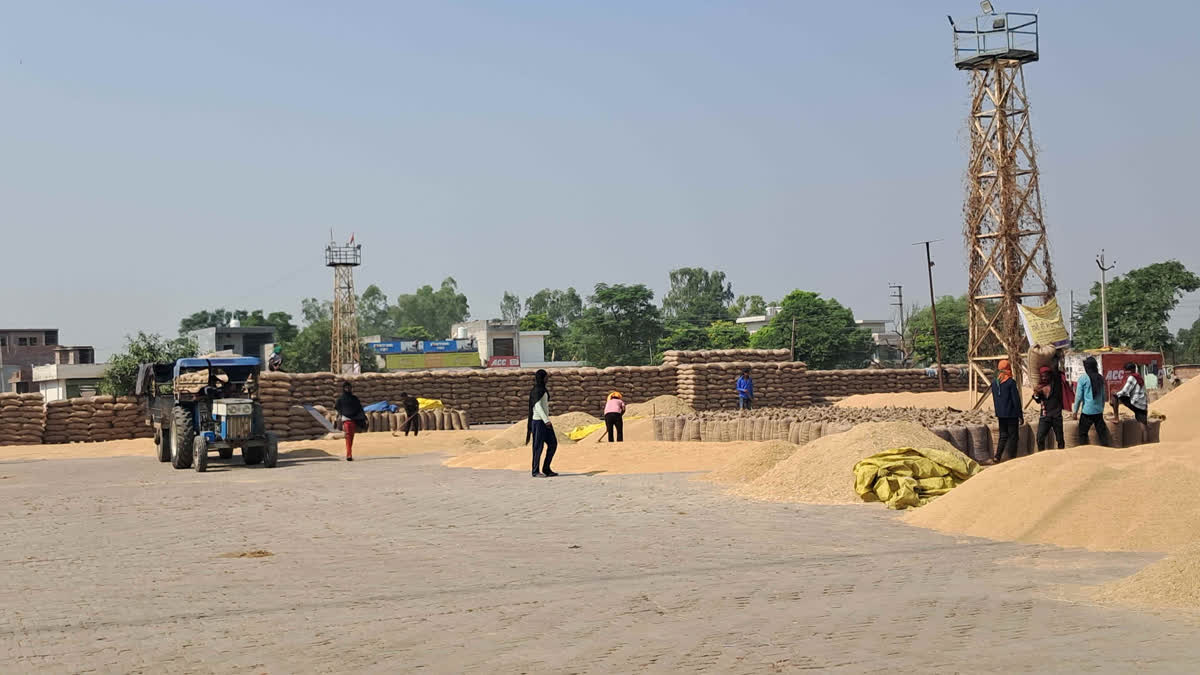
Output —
<point x="344" y="346"/>
<point x="1007" y="249"/>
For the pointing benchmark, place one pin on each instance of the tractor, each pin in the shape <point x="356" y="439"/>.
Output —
<point x="197" y="405"/>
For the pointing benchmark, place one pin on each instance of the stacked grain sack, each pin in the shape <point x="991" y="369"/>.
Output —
<point x="21" y="419"/>
<point x="58" y="423"/>
<point x="678" y="358"/>
<point x="275" y="394"/>
<point x="712" y="386"/>
<point x="130" y="419"/>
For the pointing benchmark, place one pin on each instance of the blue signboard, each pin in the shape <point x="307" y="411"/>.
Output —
<point x="423" y="346"/>
<point x="430" y="346"/>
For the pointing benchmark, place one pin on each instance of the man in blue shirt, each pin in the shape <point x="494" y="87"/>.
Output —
<point x="745" y="391"/>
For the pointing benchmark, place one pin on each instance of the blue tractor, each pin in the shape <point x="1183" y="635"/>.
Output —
<point x="198" y="405"/>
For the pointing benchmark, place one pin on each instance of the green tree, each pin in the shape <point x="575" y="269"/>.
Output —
<point x="314" y="310"/>
<point x="555" y="345"/>
<point x="280" y="321"/>
<point x="414" y="333"/>
<point x="374" y="317"/>
<point x="510" y="308"/>
<point x="684" y="336"/>
<point x="826" y="335"/>
<point x="205" y="319"/>
<point x="562" y="307"/>
<point x="1139" y="306"/>
<point x="120" y="377"/>
<point x="952" y="329"/>
<point x="436" y="310"/>
<point x="697" y="296"/>
<point x="309" y="351"/>
<point x="727" y="335"/>
<point x="620" y="326"/>
<point x="748" y="305"/>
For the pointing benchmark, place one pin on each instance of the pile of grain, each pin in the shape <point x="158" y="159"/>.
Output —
<point x="514" y="436"/>
<point x="822" y="472"/>
<point x="616" y="458"/>
<point x="1173" y="582"/>
<point x="1142" y="499"/>
<point x="667" y="404"/>
<point x="96" y="419"/>
<point x="959" y="400"/>
<point x="1180" y="406"/>
<point x="636" y="431"/>
<point x="21" y="419"/>
<point x="753" y="462"/>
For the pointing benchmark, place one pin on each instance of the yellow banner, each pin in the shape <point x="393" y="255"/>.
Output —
<point x="1044" y="325"/>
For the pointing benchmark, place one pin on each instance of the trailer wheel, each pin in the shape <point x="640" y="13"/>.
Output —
<point x="271" y="451"/>
<point x="252" y="454"/>
<point x="200" y="450"/>
<point x="181" y="437"/>
<point x="162" y="445"/>
<point x="225" y="453"/>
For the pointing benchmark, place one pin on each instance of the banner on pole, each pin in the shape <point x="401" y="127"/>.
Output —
<point x="1044" y="325"/>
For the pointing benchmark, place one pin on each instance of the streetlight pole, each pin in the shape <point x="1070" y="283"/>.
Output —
<point x="937" y="340"/>
<point x="1103" y="299"/>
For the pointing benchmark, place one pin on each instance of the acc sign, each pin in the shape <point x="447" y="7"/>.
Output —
<point x="504" y="362"/>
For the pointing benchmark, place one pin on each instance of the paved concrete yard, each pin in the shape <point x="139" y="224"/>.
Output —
<point x="395" y="565"/>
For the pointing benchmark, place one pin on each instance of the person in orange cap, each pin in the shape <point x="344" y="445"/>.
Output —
<point x="614" y="416"/>
<point x="1007" y="399"/>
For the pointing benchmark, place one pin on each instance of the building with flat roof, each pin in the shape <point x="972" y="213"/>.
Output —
<point x="504" y="345"/>
<point x="20" y="350"/>
<point x="73" y="374"/>
<point x="241" y="340"/>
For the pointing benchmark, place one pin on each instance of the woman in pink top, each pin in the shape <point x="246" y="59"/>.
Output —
<point x="614" y="415"/>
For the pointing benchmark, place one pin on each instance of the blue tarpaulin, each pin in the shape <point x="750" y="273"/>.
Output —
<point x="382" y="406"/>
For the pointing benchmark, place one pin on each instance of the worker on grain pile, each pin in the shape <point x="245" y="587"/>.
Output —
<point x="1089" y="397"/>
<point x="1132" y="395"/>
<point x="1049" y="392"/>
<point x="353" y="417"/>
<point x="614" y="416"/>
<point x="412" y="416"/>
<point x="1007" y="400"/>
<point x="745" y="391"/>
<point x="275" y="362"/>
<point x="539" y="428"/>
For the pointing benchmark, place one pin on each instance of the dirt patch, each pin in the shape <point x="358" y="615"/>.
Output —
<point x="822" y="472"/>
<point x="615" y="458"/>
<point x="256" y="553"/>
<point x="1141" y="499"/>
<point x="753" y="462"/>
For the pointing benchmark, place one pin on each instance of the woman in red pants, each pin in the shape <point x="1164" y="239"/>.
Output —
<point x="351" y="411"/>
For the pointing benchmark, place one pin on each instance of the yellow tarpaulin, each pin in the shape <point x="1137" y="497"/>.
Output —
<point x="907" y="477"/>
<point x="582" y="432"/>
<point x="1044" y="325"/>
<point x="430" y="403"/>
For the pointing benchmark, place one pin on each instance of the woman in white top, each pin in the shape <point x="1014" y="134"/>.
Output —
<point x="540" y="430"/>
<point x="1132" y="395"/>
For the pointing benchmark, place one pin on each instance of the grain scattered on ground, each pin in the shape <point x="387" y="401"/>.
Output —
<point x="1141" y="499"/>
<point x="256" y="553"/>
<point x="659" y="406"/>
<point x="752" y="462"/>
<point x="959" y="400"/>
<point x="822" y="472"/>
<point x="514" y="436"/>
<point x="610" y="458"/>
<point x="1173" y="582"/>
<point x="636" y="431"/>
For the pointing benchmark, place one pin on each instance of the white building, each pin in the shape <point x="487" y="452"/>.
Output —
<point x="754" y="323"/>
<point x="242" y="340"/>
<point x="504" y="345"/>
<point x="888" y="343"/>
<point x="73" y="374"/>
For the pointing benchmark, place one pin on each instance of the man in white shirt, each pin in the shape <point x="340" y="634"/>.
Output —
<point x="1132" y="395"/>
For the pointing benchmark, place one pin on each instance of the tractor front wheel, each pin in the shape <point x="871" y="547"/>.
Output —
<point x="271" y="451"/>
<point x="181" y="438"/>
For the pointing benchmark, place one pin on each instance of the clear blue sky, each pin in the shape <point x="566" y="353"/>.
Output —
<point x="158" y="158"/>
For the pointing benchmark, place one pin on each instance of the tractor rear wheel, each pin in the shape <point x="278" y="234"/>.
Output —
<point x="200" y="450"/>
<point x="162" y="444"/>
<point x="271" y="451"/>
<point x="181" y="438"/>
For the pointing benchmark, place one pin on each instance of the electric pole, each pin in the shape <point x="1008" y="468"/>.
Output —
<point x="898" y="296"/>
<point x="937" y="340"/>
<point x="1103" y="300"/>
<point x="1072" y="317"/>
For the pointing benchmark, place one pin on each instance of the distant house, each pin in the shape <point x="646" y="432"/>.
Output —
<point x="243" y="340"/>
<point x="888" y="343"/>
<point x="20" y="350"/>
<point x="753" y="323"/>
<point x="73" y="374"/>
<point x="504" y="345"/>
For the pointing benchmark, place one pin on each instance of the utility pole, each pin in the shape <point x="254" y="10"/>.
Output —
<point x="1103" y="300"/>
<point x="793" y="338"/>
<point x="1072" y="310"/>
<point x="899" y="302"/>
<point x="937" y="340"/>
